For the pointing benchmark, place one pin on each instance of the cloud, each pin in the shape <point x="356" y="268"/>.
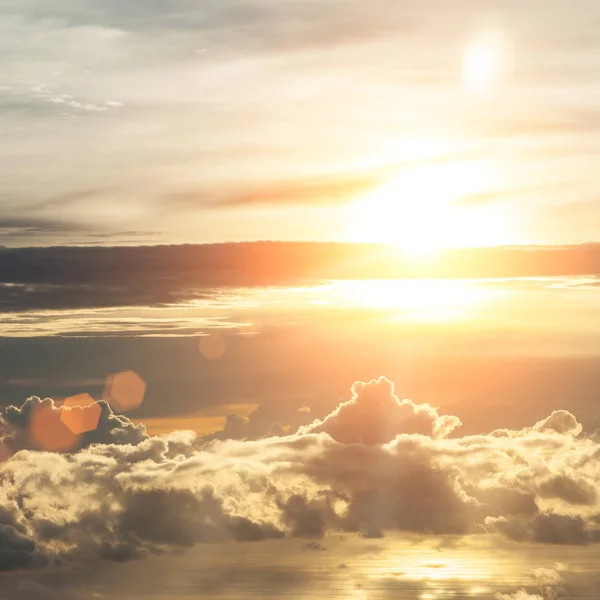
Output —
<point x="571" y="489"/>
<point x="122" y="495"/>
<point x="21" y="226"/>
<point x="331" y="189"/>
<point x="546" y="528"/>
<point x="67" y="277"/>
<point x="43" y="425"/>
<point x="374" y="415"/>
<point x="560" y="421"/>
<point x="69" y="198"/>
<point x="481" y="198"/>
<point x="246" y="25"/>
<point x="520" y="595"/>
<point x="269" y="419"/>
<point x="546" y="576"/>
<point x="17" y="551"/>
<point x="86" y="106"/>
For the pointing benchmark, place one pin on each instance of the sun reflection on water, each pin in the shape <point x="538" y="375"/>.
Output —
<point x="423" y="566"/>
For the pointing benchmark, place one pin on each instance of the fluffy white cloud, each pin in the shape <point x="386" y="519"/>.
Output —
<point x="375" y="464"/>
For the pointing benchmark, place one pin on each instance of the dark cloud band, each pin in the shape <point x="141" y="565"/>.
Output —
<point x="88" y="277"/>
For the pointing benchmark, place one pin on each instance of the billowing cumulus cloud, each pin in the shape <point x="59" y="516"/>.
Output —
<point x="374" y="415"/>
<point x="375" y="464"/>
<point x="43" y="425"/>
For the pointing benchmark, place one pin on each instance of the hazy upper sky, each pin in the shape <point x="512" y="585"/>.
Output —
<point x="186" y="121"/>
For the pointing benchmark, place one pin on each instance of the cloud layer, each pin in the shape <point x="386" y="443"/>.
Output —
<point x="61" y="278"/>
<point x="375" y="464"/>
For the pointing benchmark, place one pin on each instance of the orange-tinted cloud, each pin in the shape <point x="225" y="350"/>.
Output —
<point x="328" y="189"/>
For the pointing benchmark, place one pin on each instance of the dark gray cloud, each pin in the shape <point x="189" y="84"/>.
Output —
<point x="68" y="277"/>
<point x="570" y="489"/>
<point x="546" y="528"/>
<point x="17" y="551"/>
<point x="271" y="418"/>
<point x="36" y="297"/>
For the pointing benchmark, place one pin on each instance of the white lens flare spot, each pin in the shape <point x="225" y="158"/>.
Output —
<point x="486" y="62"/>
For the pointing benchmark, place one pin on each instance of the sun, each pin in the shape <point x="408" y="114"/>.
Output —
<point x="417" y="211"/>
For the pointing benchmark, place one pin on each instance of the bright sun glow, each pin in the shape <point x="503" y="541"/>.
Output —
<point x="419" y="210"/>
<point x="485" y="61"/>
<point x="417" y="300"/>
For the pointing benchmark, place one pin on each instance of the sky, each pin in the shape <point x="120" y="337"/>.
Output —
<point x="463" y="123"/>
<point x="182" y="418"/>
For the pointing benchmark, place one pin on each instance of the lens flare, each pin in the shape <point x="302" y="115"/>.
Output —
<point x="485" y="62"/>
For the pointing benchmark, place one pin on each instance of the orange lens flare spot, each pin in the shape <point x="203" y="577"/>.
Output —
<point x="125" y="391"/>
<point x="212" y="346"/>
<point x="48" y="432"/>
<point x="80" y="413"/>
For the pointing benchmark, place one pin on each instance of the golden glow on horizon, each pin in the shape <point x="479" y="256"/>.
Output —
<point x="419" y="210"/>
<point x="423" y="300"/>
<point x="205" y="422"/>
